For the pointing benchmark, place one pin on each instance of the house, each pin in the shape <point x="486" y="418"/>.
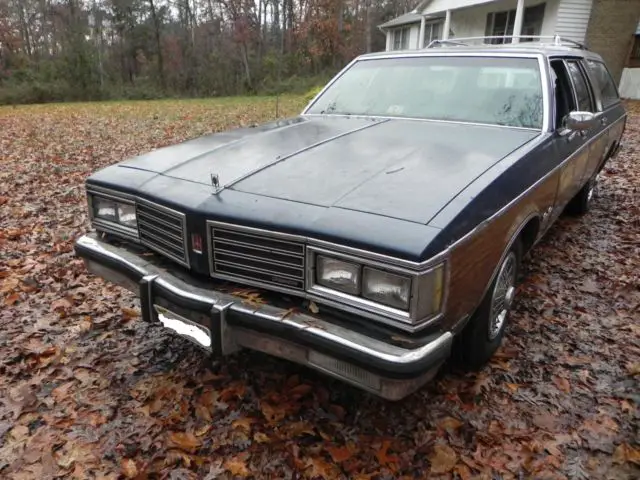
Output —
<point x="608" y="27"/>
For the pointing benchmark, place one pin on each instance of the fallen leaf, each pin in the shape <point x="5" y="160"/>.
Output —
<point x="383" y="456"/>
<point x="339" y="454"/>
<point x="561" y="383"/>
<point x="12" y="299"/>
<point x="449" y="423"/>
<point x="625" y="453"/>
<point x="261" y="437"/>
<point x="186" y="441"/>
<point x="237" y="466"/>
<point x="128" y="468"/>
<point x="443" y="459"/>
<point x="130" y="313"/>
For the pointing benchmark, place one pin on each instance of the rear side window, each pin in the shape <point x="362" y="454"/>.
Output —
<point x="603" y="83"/>
<point x="580" y="84"/>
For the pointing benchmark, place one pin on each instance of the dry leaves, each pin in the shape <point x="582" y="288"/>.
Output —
<point x="88" y="390"/>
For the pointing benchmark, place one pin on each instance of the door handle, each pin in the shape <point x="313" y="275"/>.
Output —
<point x="604" y="120"/>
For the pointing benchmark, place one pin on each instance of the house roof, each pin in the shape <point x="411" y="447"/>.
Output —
<point x="411" y="17"/>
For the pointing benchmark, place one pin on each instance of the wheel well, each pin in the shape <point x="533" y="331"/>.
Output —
<point x="529" y="234"/>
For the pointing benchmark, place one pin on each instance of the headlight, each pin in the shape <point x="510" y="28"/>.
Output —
<point x="386" y="288"/>
<point x="105" y="208"/>
<point x="127" y="215"/>
<point x="339" y="275"/>
<point x="114" y="211"/>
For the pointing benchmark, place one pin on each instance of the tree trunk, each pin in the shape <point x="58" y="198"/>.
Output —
<point x="156" y="28"/>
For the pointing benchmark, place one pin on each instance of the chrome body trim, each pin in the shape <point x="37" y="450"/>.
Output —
<point x="314" y="327"/>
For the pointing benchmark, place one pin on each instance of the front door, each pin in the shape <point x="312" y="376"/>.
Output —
<point x="571" y="147"/>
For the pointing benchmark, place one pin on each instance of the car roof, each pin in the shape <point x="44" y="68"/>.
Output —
<point x="528" y="49"/>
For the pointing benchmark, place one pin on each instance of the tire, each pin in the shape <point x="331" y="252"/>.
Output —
<point x="482" y="336"/>
<point x="581" y="203"/>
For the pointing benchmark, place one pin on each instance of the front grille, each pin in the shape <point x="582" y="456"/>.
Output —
<point x="163" y="230"/>
<point x="265" y="259"/>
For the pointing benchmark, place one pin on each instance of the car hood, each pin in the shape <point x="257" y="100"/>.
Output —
<point x="403" y="169"/>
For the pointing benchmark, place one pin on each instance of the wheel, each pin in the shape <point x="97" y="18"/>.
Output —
<point x="580" y="204"/>
<point x="482" y="336"/>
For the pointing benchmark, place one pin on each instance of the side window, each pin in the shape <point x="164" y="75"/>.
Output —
<point x="565" y="101"/>
<point x="603" y="83"/>
<point x="581" y="87"/>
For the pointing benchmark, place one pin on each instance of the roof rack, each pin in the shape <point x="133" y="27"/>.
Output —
<point x="556" y="40"/>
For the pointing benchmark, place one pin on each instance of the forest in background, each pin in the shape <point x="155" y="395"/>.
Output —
<point x="72" y="50"/>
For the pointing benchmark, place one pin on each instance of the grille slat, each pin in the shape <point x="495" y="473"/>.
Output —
<point x="163" y="230"/>
<point x="262" y="258"/>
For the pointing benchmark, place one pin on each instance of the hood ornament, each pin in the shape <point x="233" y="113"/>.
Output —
<point x="215" y="182"/>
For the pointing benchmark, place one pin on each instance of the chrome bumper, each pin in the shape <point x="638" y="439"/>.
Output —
<point x="222" y="323"/>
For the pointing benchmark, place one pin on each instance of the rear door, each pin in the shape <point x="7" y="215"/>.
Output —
<point x="609" y="110"/>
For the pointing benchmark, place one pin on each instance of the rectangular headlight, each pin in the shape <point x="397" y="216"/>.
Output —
<point x="127" y="215"/>
<point x="338" y="275"/>
<point x="386" y="288"/>
<point x="114" y="211"/>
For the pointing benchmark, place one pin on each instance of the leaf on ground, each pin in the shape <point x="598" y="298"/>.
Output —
<point x="449" y="423"/>
<point x="237" y="465"/>
<point x="128" y="468"/>
<point x="340" y="454"/>
<point x="443" y="459"/>
<point x="130" y="313"/>
<point x="186" y="441"/>
<point x="625" y="453"/>
<point x="562" y="384"/>
<point x="383" y="456"/>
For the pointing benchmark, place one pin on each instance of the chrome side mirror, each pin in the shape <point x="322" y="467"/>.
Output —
<point x="579" y="121"/>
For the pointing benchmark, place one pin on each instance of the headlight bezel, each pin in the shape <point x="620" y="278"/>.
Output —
<point x="113" y="226"/>
<point x="419" y="312"/>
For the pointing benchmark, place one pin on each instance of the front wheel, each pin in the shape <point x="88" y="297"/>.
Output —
<point x="483" y="334"/>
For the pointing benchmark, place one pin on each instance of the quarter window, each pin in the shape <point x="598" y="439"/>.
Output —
<point x="581" y="87"/>
<point x="603" y="83"/>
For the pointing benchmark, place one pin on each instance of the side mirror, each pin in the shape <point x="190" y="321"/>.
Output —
<point x="579" y="121"/>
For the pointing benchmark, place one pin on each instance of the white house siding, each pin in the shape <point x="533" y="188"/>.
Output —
<point x="573" y="18"/>
<point x="630" y="83"/>
<point x="471" y="22"/>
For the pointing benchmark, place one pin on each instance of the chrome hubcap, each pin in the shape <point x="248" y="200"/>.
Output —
<point x="503" y="293"/>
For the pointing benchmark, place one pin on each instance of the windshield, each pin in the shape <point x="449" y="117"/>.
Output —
<point x="493" y="90"/>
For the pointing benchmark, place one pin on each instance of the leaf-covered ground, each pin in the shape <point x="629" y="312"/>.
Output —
<point x="87" y="390"/>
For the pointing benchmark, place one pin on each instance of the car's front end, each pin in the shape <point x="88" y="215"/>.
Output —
<point x="355" y="315"/>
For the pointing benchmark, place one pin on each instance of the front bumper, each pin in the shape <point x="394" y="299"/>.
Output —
<point x="222" y="323"/>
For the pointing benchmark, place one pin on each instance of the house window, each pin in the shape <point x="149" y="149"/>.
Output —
<point x="401" y="38"/>
<point x="432" y="31"/>
<point x="500" y="24"/>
